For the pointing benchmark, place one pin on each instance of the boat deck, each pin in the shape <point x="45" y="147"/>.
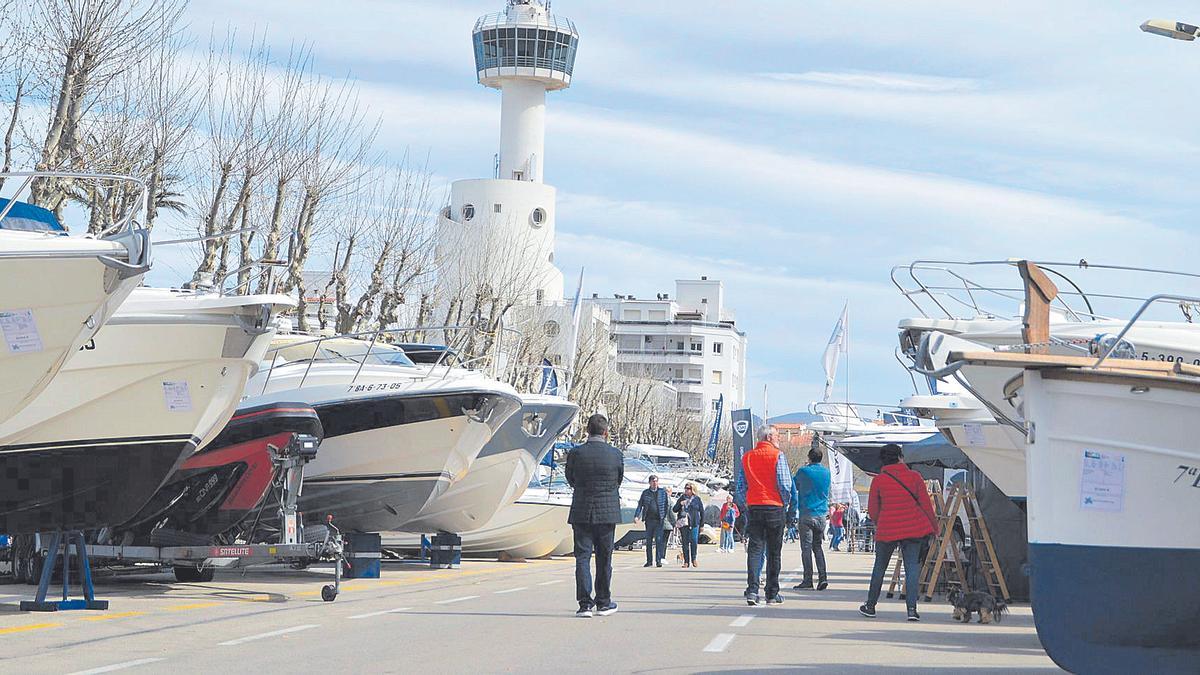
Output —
<point x="491" y="616"/>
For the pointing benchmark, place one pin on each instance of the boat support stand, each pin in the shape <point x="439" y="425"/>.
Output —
<point x="64" y="540"/>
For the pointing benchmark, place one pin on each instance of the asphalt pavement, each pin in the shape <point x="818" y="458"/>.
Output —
<point x="503" y="617"/>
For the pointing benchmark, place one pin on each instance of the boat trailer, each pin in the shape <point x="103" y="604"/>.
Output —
<point x="198" y="562"/>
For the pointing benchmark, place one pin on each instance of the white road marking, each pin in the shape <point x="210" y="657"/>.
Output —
<point x="116" y="666"/>
<point x="512" y="590"/>
<point x="553" y="581"/>
<point x="720" y="642"/>
<point x="742" y="621"/>
<point x="454" y="600"/>
<point x="379" y="613"/>
<point x="260" y="636"/>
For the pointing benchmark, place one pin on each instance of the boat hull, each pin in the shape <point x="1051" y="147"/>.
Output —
<point x="385" y="457"/>
<point x="1114" y="550"/>
<point x="502" y="470"/>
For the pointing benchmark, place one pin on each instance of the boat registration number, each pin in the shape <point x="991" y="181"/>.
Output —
<point x="380" y="386"/>
<point x="1169" y="358"/>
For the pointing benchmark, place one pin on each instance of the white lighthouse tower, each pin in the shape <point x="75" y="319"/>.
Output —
<point x="524" y="52"/>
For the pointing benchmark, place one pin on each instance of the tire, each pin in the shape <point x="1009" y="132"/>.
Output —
<point x="185" y="574"/>
<point x="328" y="593"/>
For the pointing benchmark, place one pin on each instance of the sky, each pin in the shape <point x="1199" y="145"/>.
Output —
<point x="799" y="150"/>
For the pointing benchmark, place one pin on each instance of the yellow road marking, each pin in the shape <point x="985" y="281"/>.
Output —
<point x="117" y="615"/>
<point x="32" y="626"/>
<point x="198" y="605"/>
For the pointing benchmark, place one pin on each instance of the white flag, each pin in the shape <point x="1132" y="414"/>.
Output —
<point x="841" y="483"/>
<point x="837" y="345"/>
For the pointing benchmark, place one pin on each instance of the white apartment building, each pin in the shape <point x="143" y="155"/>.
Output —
<point x="690" y="341"/>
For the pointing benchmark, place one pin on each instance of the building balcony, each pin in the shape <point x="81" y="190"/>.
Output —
<point x="662" y="352"/>
<point x="682" y="380"/>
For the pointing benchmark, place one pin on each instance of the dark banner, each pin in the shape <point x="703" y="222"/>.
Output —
<point x="743" y="438"/>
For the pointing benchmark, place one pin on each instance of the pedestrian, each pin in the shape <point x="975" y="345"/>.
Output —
<point x="903" y="514"/>
<point x="729" y="516"/>
<point x="764" y="489"/>
<point x="810" y="502"/>
<point x="837" y="518"/>
<point x="691" y="519"/>
<point x="652" y="509"/>
<point x="595" y="471"/>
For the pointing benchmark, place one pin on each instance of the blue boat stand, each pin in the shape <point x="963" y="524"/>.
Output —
<point x="63" y="540"/>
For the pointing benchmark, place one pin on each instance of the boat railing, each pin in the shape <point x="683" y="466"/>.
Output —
<point x="372" y="338"/>
<point x="849" y="411"/>
<point x="944" y="289"/>
<point x="1116" y="342"/>
<point x="124" y="223"/>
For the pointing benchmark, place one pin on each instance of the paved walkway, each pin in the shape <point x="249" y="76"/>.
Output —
<point x="496" y="617"/>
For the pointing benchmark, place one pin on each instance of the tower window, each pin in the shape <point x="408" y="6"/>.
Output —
<point x="497" y="208"/>
<point x="538" y="217"/>
<point x="468" y="211"/>
<point x="518" y="175"/>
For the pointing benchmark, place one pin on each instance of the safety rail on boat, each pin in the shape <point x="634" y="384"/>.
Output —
<point x="849" y="411"/>
<point x="123" y="224"/>
<point x="1116" y="342"/>
<point x="944" y="284"/>
<point x="371" y="344"/>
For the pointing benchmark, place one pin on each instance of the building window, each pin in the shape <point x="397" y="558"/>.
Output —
<point x="697" y="346"/>
<point x="679" y="346"/>
<point x="538" y="217"/>
<point x="716" y="377"/>
<point x="468" y="212"/>
<point x="631" y="315"/>
<point x="540" y="295"/>
<point x="716" y="347"/>
<point x="716" y="404"/>
<point x="551" y="329"/>
<point x="497" y="208"/>
<point x="518" y="175"/>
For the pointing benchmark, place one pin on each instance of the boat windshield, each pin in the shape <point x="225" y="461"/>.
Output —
<point x="639" y="465"/>
<point x="345" y="350"/>
<point x="29" y="218"/>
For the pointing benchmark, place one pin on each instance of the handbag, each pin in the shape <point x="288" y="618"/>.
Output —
<point x="682" y="521"/>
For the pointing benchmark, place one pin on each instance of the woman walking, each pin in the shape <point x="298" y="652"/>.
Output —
<point x="691" y="517"/>
<point x="903" y="514"/>
<point x="729" y="516"/>
<point x="837" y="518"/>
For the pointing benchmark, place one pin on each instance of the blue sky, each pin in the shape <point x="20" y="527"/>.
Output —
<point x="799" y="150"/>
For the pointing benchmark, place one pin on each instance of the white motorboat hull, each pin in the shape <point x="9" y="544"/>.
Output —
<point x="1114" y="553"/>
<point x="394" y="439"/>
<point x="96" y="444"/>
<point x="55" y="293"/>
<point x="502" y="470"/>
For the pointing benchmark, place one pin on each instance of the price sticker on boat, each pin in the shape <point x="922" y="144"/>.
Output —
<point x="1102" y="481"/>
<point x="177" y="396"/>
<point x="974" y="434"/>
<point x="20" y="331"/>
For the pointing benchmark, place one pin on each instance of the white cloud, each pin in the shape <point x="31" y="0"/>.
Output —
<point x="905" y="82"/>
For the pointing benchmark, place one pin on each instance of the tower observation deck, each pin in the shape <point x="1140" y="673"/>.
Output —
<point x="524" y="52"/>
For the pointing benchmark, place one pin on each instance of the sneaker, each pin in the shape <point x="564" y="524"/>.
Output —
<point x="584" y="612"/>
<point x="610" y="608"/>
<point x="658" y="564"/>
<point x="913" y="616"/>
<point x="646" y="565"/>
<point x="822" y="585"/>
<point x="868" y="612"/>
<point x="777" y="600"/>
<point x="695" y="564"/>
<point x="807" y="585"/>
<point x="751" y="599"/>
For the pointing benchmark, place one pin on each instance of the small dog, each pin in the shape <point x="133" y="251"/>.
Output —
<point x="990" y="609"/>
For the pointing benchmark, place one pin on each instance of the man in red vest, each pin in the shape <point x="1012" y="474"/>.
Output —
<point x="764" y="489"/>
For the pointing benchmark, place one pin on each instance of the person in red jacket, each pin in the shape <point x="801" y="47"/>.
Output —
<point x="903" y="514"/>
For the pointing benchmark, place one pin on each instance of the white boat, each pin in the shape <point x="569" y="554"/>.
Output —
<point x="396" y="436"/>
<point x="1114" y="518"/>
<point x="502" y="470"/>
<point x="531" y="527"/>
<point x="161" y="378"/>
<point x="56" y="290"/>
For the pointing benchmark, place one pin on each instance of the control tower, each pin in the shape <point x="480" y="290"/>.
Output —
<point x="524" y="52"/>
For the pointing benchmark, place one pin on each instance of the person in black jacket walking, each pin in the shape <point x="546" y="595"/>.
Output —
<point x="652" y="509"/>
<point x="691" y="517"/>
<point x="595" y="470"/>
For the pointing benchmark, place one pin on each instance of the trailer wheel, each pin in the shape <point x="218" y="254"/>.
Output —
<point x="185" y="574"/>
<point x="328" y="593"/>
<point x="27" y="562"/>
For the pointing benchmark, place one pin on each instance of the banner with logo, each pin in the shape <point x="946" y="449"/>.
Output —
<point x="715" y="436"/>
<point x="841" y="484"/>
<point x="743" y="438"/>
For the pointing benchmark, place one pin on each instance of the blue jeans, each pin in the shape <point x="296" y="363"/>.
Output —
<point x="596" y="539"/>
<point x="812" y="533"/>
<point x="726" y="539"/>
<point x="656" y="539"/>
<point x="690" y="539"/>
<point x="835" y="535"/>
<point x="764" y="532"/>
<point x="910" y="552"/>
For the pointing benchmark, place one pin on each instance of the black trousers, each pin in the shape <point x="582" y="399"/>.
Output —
<point x="656" y="540"/>
<point x="764" y="531"/>
<point x="591" y="539"/>
<point x="812" y="533"/>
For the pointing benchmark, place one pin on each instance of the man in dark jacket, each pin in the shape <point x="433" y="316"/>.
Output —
<point x="595" y="470"/>
<point x="652" y="509"/>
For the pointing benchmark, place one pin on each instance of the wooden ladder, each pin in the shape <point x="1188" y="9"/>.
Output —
<point x="931" y="567"/>
<point x="993" y="576"/>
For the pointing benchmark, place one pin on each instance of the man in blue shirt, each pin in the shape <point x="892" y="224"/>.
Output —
<point x="810" y="503"/>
